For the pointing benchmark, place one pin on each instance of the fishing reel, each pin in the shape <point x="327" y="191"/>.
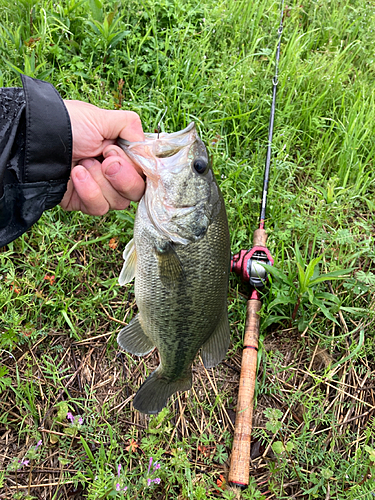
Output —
<point x="248" y="265"/>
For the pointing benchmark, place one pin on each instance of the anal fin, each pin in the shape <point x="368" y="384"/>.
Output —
<point x="215" y="349"/>
<point x="133" y="339"/>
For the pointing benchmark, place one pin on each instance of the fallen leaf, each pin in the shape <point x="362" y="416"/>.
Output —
<point x="113" y="243"/>
<point x="206" y="451"/>
<point x="53" y="438"/>
<point x="132" y="445"/>
<point x="221" y="482"/>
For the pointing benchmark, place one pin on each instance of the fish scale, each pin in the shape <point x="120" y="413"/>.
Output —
<point x="188" y="306"/>
<point x="180" y="257"/>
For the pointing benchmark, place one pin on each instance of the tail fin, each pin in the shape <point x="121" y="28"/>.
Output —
<point x="153" y="395"/>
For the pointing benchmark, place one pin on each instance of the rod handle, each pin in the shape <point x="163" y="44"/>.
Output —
<point x="240" y="459"/>
<point x="260" y="238"/>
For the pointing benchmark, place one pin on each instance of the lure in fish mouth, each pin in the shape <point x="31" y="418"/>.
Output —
<point x="180" y="257"/>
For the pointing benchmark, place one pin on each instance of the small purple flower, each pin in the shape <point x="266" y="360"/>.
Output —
<point x="23" y="462"/>
<point x="118" y="487"/>
<point x="156" y="481"/>
<point x="155" y="468"/>
<point x="73" y="419"/>
<point x="39" y="443"/>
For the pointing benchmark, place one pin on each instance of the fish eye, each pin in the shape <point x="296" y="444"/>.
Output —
<point x="200" y="165"/>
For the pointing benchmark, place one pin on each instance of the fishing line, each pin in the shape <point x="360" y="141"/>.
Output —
<point x="161" y="119"/>
<point x="275" y="82"/>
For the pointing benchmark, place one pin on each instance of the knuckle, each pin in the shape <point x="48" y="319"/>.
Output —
<point x="113" y="150"/>
<point x="134" y="120"/>
<point x="133" y="116"/>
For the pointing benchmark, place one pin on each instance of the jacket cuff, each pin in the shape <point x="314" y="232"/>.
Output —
<point x="48" y="153"/>
<point x="35" y="155"/>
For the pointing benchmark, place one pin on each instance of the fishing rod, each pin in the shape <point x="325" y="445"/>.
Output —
<point x="248" y="265"/>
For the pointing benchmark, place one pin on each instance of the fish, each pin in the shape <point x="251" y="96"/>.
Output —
<point x="180" y="258"/>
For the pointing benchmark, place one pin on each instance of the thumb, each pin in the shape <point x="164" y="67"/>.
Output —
<point x="124" y="124"/>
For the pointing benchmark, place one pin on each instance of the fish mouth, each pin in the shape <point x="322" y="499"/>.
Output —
<point x="163" y="147"/>
<point x="159" y="137"/>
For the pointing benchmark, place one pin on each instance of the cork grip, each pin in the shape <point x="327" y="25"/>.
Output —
<point x="260" y="238"/>
<point x="240" y="460"/>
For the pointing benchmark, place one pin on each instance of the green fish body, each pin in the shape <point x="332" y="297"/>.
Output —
<point x="180" y="257"/>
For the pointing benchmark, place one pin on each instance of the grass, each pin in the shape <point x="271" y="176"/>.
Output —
<point x="61" y="306"/>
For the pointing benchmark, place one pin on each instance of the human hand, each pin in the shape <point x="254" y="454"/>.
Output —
<point x="96" y="187"/>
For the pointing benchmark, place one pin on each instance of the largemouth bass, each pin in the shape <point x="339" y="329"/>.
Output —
<point x="180" y="257"/>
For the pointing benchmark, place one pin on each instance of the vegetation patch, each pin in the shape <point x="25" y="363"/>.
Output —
<point x="67" y="427"/>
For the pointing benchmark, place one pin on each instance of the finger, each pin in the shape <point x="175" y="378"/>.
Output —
<point x="123" y="178"/>
<point x="115" y="199"/>
<point x="90" y="194"/>
<point x="124" y="124"/>
<point x="113" y="150"/>
<point x="66" y="202"/>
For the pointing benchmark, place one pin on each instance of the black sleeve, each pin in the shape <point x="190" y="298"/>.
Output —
<point x="35" y="154"/>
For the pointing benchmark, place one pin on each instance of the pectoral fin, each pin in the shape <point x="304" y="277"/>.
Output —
<point x="215" y="349"/>
<point x="170" y="268"/>
<point x="128" y="269"/>
<point x="133" y="339"/>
